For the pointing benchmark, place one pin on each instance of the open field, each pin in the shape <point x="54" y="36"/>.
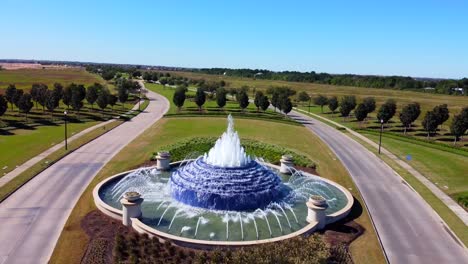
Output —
<point x="427" y="100"/>
<point x="73" y="240"/>
<point x="24" y="78"/>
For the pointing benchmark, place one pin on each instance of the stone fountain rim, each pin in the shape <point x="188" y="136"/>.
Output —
<point x="142" y="228"/>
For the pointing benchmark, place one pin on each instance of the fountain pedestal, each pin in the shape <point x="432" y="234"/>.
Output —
<point x="163" y="160"/>
<point x="131" y="209"/>
<point x="287" y="163"/>
<point x="316" y="207"/>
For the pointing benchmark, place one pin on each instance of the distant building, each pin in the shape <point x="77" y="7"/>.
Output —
<point x="429" y="89"/>
<point x="459" y="90"/>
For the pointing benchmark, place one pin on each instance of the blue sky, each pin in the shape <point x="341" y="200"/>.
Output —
<point x="416" y="38"/>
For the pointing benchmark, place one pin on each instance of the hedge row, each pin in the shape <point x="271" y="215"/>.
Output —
<point x="196" y="146"/>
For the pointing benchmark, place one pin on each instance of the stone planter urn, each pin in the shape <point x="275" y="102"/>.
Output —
<point x="163" y="160"/>
<point x="132" y="196"/>
<point x="316" y="207"/>
<point x="287" y="162"/>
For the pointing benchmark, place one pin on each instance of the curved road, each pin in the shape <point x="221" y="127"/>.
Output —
<point x="32" y="218"/>
<point x="410" y="231"/>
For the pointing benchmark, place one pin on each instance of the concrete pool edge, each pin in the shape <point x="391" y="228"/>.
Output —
<point x="140" y="227"/>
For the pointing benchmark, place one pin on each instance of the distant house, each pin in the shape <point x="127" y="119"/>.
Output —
<point x="459" y="90"/>
<point x="429" y="89"/>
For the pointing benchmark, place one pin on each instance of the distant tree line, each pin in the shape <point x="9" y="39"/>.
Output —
<point x="390" y="82"/>
<point x="72" y="96"/>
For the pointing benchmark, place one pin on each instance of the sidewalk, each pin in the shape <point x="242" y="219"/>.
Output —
<point x="449" y="202"/>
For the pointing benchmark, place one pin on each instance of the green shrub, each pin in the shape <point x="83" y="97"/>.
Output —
<point x="194" y="147"/>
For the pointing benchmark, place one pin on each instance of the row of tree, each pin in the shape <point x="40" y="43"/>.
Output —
<point x="407" y="116"/>
<point x="391" y="82"/>
<point x="72" y="96"/>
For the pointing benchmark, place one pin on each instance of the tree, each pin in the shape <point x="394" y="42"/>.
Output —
<point x="67" y="95"/>
<point x="102" y="99"/>
<point x="321" y="101"/>
<point x="10" y="93"/>
<point x="179" y="97"/>
<point x="286" y="105"/>
<point x="112" y="100"/>
<point x="430" y="122"/>
<point x="78" y="95"/>
<point x="333" y="103"/>
<point x="257" y="99"/>
<point x="409" y="114"/>
<point x="361" y="112"/>
<point x="200" y="98"/>
<point x="347" y="104"/>
<point x="58" y="90"/>
<point x="264" y="103"/>
<point x="92" y="93"/>
<point x="25" y="104"/>
<point x="122" y="94"/>
<point x="52" y="101"/>
<point x="275" y="97"/>
<point x="243" y="100"/>
<point x="221" y="97"/>
<point x="369" y="103"/>
<point x="387" y="110"/>
<point x="35" y="92"/>
<point x="464" y="116"/>
<point x="3" y="104"/>
<point x="136" y="74"/>
<point x="442" y="114"/>
<point x="458" y="127"/>
<point x="41" y="95"/>
<point x="108" y="75"/>
<point x="303" y="96"/>
<point x="19" y="93"/>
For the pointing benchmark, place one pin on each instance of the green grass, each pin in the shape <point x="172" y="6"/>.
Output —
<point x="445" y="169"/>
<point x="452" y="220"/>
<point x="73" y="240"/>
<point x="427" y="100"/>
<point x="25" y="176"/>
<point x="210" y="108"/>
<point x="41" y="131"/>
<point x="24" y="78"/>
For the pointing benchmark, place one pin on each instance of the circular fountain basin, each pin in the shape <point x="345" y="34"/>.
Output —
<point x="169" y="216"/>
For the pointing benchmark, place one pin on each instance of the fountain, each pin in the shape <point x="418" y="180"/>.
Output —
<point x="225" y="196"/>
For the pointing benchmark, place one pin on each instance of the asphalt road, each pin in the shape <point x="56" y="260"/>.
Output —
<point x="410" y="231"/>
<point x="32" y="218"/>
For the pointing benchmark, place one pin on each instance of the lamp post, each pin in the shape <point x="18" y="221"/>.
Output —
<point x="139" y="99"/>
<point x="66" y="143"/>
<point x="381" y="130"/>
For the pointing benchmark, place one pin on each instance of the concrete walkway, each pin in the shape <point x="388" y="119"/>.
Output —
<point x="449" y="202"/>
<point x="32" y="218"/>
<point x="409" y="230"/>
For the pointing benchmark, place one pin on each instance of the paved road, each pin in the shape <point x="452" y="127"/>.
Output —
<point x="32" y="218"/>
<point x="410" y="231"/>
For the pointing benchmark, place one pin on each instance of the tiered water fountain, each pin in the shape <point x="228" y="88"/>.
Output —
<point x="224" y="197"/>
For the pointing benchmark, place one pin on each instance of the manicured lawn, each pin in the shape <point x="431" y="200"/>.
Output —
<point x="427" y="100"/>
<point x="445" y="169"/>
<point x="73" y="240"/>
<point x="24" y="78"/>
<point x="211" y="109"/>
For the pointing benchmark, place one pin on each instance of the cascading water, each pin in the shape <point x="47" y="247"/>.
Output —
<point x="224" y="195"/>
<point x="227" y="179"/>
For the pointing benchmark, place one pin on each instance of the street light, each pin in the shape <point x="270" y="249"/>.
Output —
<point x="66" y="143"/>
<point x="381" y="130"/>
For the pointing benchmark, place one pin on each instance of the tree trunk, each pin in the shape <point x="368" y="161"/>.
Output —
<point x="455" y="141"/>
<point x="404" y="133"/>
<point x="428" y="134"/>
<point x="321" y="109"/>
